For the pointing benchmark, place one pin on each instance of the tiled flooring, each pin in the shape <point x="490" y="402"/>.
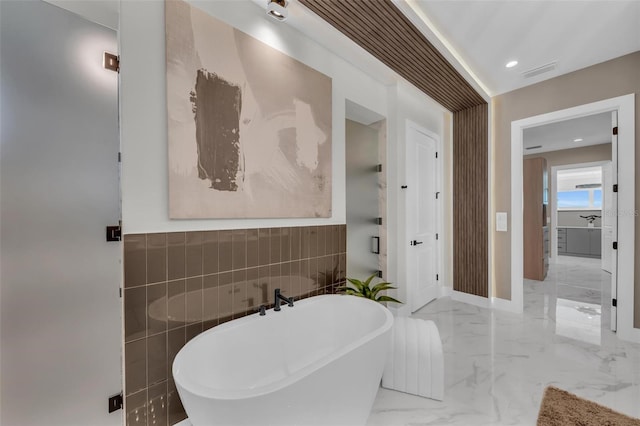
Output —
<point x="497" y="364"/>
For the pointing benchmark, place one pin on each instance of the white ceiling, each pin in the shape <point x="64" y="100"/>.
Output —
<point x="592" y="129"/>
<point x="569" y="179"/>
<point x="477" y="36"/>
<point x="103" y="12"/>
<point x="487" y="34"/>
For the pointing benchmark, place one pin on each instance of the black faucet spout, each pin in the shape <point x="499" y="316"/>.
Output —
<point x="279" y="298"/>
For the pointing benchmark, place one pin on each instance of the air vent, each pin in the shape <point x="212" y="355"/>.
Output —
<point x="534" y="147"/>
<point x="540" y="70"/>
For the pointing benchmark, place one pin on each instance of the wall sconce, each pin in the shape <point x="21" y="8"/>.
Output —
<point x="277" y="9"/>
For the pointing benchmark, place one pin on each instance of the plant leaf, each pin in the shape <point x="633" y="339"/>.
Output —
<point x="368" y="281"/>
<point x="359" y="285"/>
<point x="347" y="289"/>
<point x="365" y="290"/>
<point x="381" y="287"/>
<point x="388" y="299"/>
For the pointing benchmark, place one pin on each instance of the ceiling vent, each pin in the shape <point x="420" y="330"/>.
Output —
<point x="540" y="70"/>
<point x="534" y="147"/>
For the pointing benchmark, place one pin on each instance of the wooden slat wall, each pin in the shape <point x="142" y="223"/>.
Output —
<point x="380" y="28"/>
<point x="470" y="198"/>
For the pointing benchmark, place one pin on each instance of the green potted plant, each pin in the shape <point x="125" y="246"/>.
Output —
<point x="364" y="289"/>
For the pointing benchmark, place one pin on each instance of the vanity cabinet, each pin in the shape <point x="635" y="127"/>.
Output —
<point x="562" y="240"/>
<point x="595" y="242"/>
<point x="584" y="242"/>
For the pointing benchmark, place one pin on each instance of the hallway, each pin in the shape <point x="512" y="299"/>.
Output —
<point x="576" y="294"/>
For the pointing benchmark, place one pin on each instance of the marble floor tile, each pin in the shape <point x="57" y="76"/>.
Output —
<point x="497" y="364"/>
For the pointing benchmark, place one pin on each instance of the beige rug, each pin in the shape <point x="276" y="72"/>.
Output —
<point x="561" y="408"/>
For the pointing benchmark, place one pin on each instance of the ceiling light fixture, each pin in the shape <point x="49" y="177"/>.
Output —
<point x="277" y="9"/>
<point x="511" y="64"/>
<point x="578" y="140"/>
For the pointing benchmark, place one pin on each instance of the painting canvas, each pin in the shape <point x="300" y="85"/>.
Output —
<point x="249" y="127"/>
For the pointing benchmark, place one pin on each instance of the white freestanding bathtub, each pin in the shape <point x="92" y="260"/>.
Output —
<point x="317" y="363"/>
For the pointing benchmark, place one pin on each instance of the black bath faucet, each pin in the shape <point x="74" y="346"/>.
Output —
<point x="279" y="298"/>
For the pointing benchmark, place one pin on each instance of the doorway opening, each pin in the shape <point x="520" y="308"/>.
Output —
<point x="622" y="158"/>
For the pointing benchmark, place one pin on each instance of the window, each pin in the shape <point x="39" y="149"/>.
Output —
<point x="580" y="189"/>
<point x="573" y="199"/>
<point x="580" y="199"/>
<point x="597" y="198"/>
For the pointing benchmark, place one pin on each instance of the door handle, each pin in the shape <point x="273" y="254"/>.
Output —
<point x="375" y="245"/>
<point x="415" y="243"/>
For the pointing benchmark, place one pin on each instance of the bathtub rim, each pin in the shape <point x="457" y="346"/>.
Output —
<point x="160" y="313"/>
<point x="240" y="394"/>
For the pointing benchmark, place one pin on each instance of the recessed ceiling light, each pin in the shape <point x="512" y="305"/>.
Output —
<point x="277" y="9"/>
<point x="511" y="64"/>
<point x="578" y="140"/>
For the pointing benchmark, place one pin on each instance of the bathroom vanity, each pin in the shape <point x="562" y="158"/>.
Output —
<point x="579" y="241"/>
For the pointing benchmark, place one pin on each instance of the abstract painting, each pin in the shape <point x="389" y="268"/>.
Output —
<point x="249" y="128"/>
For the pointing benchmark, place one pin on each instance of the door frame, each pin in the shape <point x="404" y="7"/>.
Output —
<point x="554" y="196"/>
<point x="625" y="105"/>
<point x="440" y="270"/>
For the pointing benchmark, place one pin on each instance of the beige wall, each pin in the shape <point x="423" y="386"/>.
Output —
<point x="610" y="79"/>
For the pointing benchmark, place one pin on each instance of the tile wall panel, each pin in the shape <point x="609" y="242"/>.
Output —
<point x="180" y="284"/>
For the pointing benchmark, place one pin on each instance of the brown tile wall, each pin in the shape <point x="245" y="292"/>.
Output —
<point x="180" y="284"/>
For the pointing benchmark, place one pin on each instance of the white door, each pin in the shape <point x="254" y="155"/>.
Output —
<point x="61" y="310"/>
<point x="422" y="217"/>
<point x="613" y="216"/>
<point x="607" y="228"/>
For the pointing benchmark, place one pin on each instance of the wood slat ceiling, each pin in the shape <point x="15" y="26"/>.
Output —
<point x="381" y="29"/>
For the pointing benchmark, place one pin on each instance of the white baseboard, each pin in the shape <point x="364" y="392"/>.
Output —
<point x="506" y="305"/>
<point x="471" y="299"/>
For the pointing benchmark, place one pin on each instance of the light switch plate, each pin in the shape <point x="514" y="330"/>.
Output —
<point x="501" y="221"/>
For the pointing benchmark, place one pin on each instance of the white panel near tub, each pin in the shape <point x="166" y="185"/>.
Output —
<point x="415" y="363"/>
